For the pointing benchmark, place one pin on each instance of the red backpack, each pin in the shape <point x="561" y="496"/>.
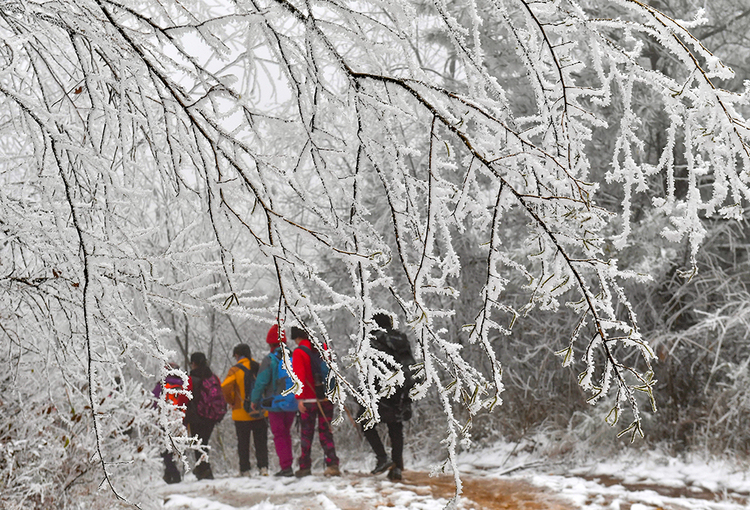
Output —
<point x="173" y="393"/>
<point x="211" y="405"/>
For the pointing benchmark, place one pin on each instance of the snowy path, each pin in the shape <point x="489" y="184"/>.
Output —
<point x="418" y="491"/>
<point x="505" y="476"/>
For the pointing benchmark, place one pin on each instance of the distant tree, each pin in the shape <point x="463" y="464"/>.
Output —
<point x="160" y="157"/>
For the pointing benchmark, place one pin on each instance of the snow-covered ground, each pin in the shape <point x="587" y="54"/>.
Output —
<point x="498" y="477"/>
<point x="635" y="480"/>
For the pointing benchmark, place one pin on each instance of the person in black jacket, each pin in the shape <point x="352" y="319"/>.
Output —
<point x="396" y="409"/>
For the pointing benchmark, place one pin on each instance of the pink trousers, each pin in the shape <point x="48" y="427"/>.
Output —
<point x="281" y="428"/>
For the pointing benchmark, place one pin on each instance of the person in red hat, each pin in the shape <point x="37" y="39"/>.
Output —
<point x="270" y="384"/>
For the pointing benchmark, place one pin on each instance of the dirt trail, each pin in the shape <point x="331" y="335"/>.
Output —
<point x="490" y="493"/>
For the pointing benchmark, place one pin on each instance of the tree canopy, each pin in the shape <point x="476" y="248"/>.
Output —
<point x="305" y="160"/>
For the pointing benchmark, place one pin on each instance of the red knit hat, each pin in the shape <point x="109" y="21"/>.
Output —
<point x="273" y="335"/>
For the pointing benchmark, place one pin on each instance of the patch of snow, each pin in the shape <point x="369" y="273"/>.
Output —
<point x="180" y="502"/>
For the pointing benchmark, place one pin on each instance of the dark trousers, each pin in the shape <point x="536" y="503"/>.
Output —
<point x="259" y="429"/>
<point x="396" y="434"/>
<point x="171" y="472"/>
<point x="203" y="430"/>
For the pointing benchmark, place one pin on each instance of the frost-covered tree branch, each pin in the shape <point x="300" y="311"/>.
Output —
<point x="233" y="155"/>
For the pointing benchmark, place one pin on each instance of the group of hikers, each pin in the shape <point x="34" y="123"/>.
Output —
<point x="258" y="398"/>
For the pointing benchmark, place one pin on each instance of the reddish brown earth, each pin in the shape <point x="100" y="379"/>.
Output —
<point x="490" y="493"/>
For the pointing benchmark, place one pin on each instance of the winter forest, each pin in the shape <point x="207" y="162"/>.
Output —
<point x="550" y="196"/>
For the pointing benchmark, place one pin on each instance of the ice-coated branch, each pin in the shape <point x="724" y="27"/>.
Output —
<point x="319" y="162"/>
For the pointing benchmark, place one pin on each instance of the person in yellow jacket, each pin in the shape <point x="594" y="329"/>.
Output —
<point x="246" y="423"/>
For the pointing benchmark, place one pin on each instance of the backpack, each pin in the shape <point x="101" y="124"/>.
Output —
<point x="280" y="381"/>
<point x="396" y="344"/>
<point x="173" y="393"/>
<point x="397" y="407"/>
<point x="211" y="404"/>
<point x="322" y="379"/>
<point x="249" y="378"/>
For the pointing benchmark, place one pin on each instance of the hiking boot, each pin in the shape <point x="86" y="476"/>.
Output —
<point x="171" y="477"/>
<point x="263" y="471"/>
<point x="332" y="470"/>
<point x="203" y="471"/>
<point x="303" y="472"/>
<point x="383" y="466"/>
<point x="247" y="473"/>
<point x="394" y="474"/>
<point x="285" y="472"/>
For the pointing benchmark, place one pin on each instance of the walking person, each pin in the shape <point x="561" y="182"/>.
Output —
<point x="205" y="410"/>
<point x="313" y="407"/>
<point x="271" y="382"/>
<point x="396" y="409"/>
<point x="174" y="388"/>
<point x="237" y="388"/>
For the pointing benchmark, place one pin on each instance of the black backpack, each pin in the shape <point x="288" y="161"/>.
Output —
<point x="250" y="375"/>
<point x="397" y="407"/>
<point x="396" y="344"/>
